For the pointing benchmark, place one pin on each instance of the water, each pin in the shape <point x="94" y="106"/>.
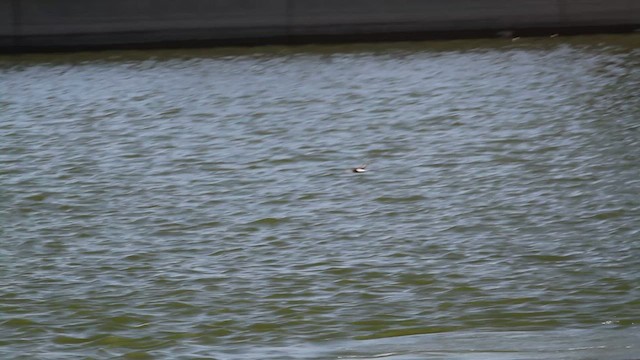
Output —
<point x="199" y="204"/>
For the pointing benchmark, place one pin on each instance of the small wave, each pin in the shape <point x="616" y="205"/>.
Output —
<point x="609" y="214"/>
<point x="69" y="340"/>
<point x="406" y="332"/>
<point x="41" y="196"/>
<point x="268" y="221"/>
<point x="549" y="258"/>
<point x="19" y="322"/>
<point x="399" y="199"/>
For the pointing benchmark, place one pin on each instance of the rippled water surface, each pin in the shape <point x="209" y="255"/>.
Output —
<point x="199" y="204"/>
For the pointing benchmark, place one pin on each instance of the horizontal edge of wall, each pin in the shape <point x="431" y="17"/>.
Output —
<point x="171" y="38"/>
<point x="309" y="35"/>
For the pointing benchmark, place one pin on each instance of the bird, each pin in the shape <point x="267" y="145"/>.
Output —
<point x="360" y="169"/>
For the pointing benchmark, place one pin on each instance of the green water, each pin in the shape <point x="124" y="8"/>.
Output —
<point x="185" y="204"/>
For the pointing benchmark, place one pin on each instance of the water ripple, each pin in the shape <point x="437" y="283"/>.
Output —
<point x="200" y="204"/>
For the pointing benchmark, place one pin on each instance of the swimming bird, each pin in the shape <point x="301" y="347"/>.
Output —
<point x="360" y="169"/>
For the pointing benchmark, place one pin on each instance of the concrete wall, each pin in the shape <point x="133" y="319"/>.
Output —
<point x="600" y="12"/>
<point x="55" y="24"/>
<point x="420" y="15"/>
<point x="6" y="24"/>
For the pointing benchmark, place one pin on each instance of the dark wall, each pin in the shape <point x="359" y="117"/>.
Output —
<point x="32" y="24"/>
